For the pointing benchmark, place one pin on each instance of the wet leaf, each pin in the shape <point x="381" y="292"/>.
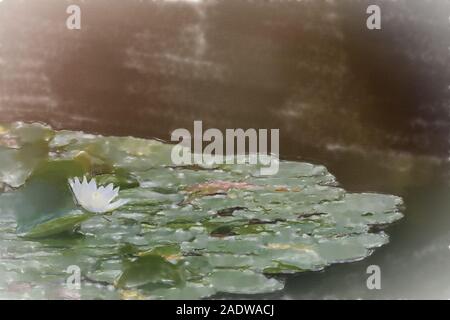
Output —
<point x="187" y="232"/>
<point x="118" y="179"/>
<point x="57" y="226"/>
<point x="243" y="282"/>
<point x="150" y="269"/>
<point x="46" y="195"/>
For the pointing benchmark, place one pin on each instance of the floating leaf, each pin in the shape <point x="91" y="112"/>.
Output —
<point x="118" y="179"/>
<point x="57" y="226"/>
<point x="243" y="282"/>
<point x="150" y="269"/>
<point x="187" y="232"/>
<point x="46" y="195"/>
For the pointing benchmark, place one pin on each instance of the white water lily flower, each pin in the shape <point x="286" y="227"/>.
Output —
<point x="95" y="199"/>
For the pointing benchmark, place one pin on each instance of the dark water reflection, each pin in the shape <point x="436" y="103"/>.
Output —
<point x="415" y="263"/>
<point x="372" y="106"/>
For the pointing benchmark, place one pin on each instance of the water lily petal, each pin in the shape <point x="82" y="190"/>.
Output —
<point x="114" y="205"/>
<point x="109" y="187"/>
<point x="92" y="185"/>
<point x="110" y="195"/>
<point x="75" y="186"/>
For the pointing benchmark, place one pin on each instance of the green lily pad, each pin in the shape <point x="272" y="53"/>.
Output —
<point x="186" y="232"/>
<point x="119" y="179"/>
<point x="243" y="282"/>
<point x="192" y="290"/>
<point x="57" y="226"/>
<point x="46" y="195"/>
<point x="150" y="269"/>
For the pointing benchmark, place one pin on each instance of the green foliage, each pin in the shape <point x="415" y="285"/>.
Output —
<point x="187" y="232"/>
<point x="56" y="226"/>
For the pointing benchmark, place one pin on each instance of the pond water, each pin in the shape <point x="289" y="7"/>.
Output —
<point x="371" y="107"/>
<point x="414" y="264"/>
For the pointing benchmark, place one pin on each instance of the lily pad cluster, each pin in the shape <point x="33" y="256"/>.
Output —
<point x="185" y="232"/>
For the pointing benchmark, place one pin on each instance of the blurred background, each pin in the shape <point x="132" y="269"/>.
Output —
<point x="371" y="105"/>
